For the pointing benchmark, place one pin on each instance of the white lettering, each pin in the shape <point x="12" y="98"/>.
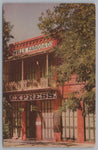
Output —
<point x="30" y="49"/>
<point x="34" y="96"/>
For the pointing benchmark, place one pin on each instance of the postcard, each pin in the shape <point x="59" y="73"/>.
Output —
<point x="49" y="75"/>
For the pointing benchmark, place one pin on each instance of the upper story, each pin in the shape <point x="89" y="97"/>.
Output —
<point x="29" y="65"/>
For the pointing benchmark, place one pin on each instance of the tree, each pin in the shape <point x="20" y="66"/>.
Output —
<point x="7" y="28"/>
<point x="7" y="36"/>
<point x="74" y="27"/>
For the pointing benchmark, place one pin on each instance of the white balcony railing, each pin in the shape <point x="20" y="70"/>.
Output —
<point x="25" y="85"/>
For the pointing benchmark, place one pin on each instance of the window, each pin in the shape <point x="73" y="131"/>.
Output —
<point x="15" y="71"/>
<point x="30" y="70"/>
<point x="16" y="124"/>
<point x="69" y="124"/>
<point x="47" y="119"/>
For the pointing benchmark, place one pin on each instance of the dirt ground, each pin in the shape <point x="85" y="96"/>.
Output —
<point x="30" y="143"/>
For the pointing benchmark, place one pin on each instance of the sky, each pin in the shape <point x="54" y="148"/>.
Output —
<point x="24" y="17"/>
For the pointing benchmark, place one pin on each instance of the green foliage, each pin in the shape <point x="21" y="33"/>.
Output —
<point x="74" y="27"/>
<point x="7" y="28"/>
<point x="72" y="103"/>
<point x="6" y="118"/>
<point x="89" y="101"/>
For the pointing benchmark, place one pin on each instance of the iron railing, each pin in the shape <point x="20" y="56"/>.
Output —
<point x="25" y="84"/>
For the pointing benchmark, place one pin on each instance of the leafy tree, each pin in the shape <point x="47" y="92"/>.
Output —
<point x="7" y="28"/>
<point x="7" y="36"/>
<point x="73" y="25"/>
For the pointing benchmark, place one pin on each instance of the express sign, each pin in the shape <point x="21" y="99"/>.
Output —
<point x="34" y="96"/>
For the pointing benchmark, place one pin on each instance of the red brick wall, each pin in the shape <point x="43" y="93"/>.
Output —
<point x="73" y="86"/>
<point x="80" y="125"/>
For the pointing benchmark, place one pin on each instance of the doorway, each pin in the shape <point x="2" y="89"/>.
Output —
<point x="32" y="125"/>
<point x="31" y="115"/>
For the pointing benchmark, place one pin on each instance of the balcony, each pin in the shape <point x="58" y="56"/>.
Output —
<point x="25" y="85"/>
<point x="20" y="75"/>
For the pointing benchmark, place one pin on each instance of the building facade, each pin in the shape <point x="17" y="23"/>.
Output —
<point x="35" y="96"/>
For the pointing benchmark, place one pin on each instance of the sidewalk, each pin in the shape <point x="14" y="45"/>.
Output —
<point x="30" y="143"/>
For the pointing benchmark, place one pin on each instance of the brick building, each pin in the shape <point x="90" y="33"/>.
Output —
<point x="35" y="97"/>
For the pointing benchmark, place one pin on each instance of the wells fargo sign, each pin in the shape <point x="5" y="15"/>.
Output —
<point x="32" y="48"/>
<point x="33" y="96"/>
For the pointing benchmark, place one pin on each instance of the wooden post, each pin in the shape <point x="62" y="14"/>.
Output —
<point x="23" y="106"/>
<point x="22" y="73"/>
<point x="47" y="67"/>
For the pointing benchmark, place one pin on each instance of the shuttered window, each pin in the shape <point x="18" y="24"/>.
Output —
<point x="47" y="119"/>
<point x="69" y="125"/>
<point x="16" y="124"/>
<point x="89" y="127"/>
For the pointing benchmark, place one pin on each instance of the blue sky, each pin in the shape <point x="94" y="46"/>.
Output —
<point x="24" y="17"/>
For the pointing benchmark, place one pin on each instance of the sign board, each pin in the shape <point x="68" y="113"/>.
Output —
<point x="38" y="123"/>
<point x="21" y="109"/>
<point x="33" y="96"/>
<point x="32" y="48"/>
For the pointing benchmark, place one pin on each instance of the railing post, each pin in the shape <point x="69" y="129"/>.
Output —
<point x="47" y="67"/>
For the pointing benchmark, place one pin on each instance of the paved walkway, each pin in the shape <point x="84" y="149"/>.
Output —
<point x="30" y="143"/>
